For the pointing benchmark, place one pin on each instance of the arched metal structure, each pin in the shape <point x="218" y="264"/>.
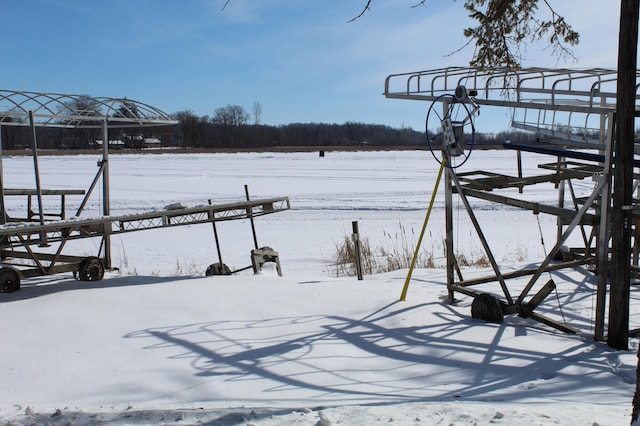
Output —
<point x="38" y="109"/>
<point x="77" y="111"/>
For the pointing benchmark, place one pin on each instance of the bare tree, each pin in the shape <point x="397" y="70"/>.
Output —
<point x="230" y="120"/>
<point x="256" y="110"/>
<point x="231" y="116"/>
<point x="191" y="128"/>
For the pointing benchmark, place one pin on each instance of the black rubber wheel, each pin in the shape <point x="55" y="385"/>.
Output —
<point x="217" y="269"/>
<point x="457" y="115"/>
<point x="91" y="269"/>
<point x="9" y="280"/>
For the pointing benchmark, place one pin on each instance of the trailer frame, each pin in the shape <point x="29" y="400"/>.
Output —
<point x="34" y="245"/>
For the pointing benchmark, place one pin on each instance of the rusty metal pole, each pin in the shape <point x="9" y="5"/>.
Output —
<point x="106" y="198"/>
<point x="34" y="153"/>
<point x="250" y="214"/>
<point x="3" y="211"/>
<point x="215" y="235"/>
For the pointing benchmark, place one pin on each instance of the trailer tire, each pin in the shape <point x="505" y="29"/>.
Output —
<point x="9" y="280"/>
<point x="91" y="269"/>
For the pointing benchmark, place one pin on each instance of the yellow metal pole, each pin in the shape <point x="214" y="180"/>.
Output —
<point x="403" y="296"/>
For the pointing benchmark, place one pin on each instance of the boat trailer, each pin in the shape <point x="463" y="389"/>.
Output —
<point x="37" y="244"/>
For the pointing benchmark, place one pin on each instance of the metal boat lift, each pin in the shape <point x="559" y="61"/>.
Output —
<point x="570" y="110"/>
<point x="34" y="245"/>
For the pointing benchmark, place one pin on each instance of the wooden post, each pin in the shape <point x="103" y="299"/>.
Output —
<point x="620" y="270"/>
<point x="356" y="246"/>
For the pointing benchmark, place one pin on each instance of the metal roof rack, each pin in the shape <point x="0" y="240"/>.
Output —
<point x="570" y="107"/>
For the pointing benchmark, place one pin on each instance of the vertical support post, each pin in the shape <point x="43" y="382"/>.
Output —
<point x="448" y="208"/>
<point x="602" y="244"/>
<point x="621" y="213"/>
<point x="250" y="214"/>
<point x="34" y="152"/>
<point x="3" y="210"/>
<point x="561" y="185"/>
<point x="519" y="161"/>
<point x="106" y="206"/>
<point x="215" y="236"/>
<point x="356" y="246"/>
<point x="448" y="213"/>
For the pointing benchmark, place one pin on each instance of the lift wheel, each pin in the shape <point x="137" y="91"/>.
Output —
<point x="91" y="269"/>
<point x="9" y="280"/>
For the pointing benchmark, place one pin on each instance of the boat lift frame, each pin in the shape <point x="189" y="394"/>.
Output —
<point x="568" y="109"/>
<point x="35" y="245"/>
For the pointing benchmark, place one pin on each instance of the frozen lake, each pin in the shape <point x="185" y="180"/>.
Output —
<point x="387" y="192"/>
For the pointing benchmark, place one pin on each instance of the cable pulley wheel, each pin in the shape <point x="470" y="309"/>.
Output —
<point x="454" y="137"/>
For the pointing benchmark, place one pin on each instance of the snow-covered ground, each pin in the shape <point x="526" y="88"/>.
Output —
<point x="156" y="342"/>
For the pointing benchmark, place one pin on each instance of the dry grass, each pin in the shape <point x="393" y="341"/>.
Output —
<point x="397" y="251"/>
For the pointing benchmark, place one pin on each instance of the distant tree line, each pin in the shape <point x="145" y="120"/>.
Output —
<point x="232" y="127"/>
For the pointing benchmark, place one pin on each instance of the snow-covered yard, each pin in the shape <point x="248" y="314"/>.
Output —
<point x="157" y="342"/>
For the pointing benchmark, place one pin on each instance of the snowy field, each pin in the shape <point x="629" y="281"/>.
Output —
<point x="156" y="342"/>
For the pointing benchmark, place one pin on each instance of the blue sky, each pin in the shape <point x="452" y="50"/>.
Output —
<point x="300" y="59"/>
